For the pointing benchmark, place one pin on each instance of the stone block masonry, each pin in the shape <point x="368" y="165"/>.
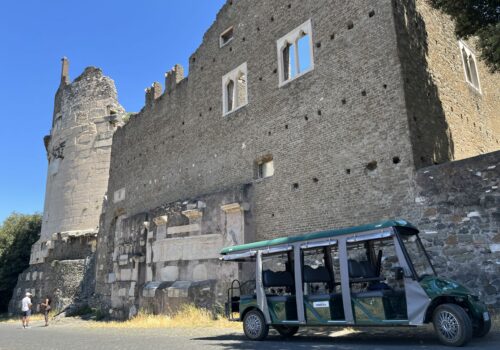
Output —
<point x="458" y="212"/>
<point x="86" y="114"/>
<point x="345" y="138"/>
<point x="254" y="145"/>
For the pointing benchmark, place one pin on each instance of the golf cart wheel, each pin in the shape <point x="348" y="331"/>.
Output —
<point x="482" y="329"/>
<point x="254" y="325"/>
<point x="287" y="331"/>
<point x="452" y="324"/>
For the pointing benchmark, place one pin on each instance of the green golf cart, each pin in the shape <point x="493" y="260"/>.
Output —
<point x="370" y="275"/>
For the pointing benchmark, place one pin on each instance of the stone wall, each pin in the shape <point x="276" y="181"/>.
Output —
<point x="60" y="280"/>
<point x="169" y="255"/>
<point x="86" y="114"/>
<point x="78" y="150"/>
<point x="338" y="135"/>
<point x="458" y="212"/>
<point x="448" y="118"/>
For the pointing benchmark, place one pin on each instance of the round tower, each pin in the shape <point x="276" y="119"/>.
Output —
<point x="86" y="114"/>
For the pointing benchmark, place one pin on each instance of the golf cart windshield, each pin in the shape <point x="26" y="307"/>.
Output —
<point x="418" y="255"/>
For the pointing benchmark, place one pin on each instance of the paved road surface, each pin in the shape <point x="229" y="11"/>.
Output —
<point x="78" y="336"/>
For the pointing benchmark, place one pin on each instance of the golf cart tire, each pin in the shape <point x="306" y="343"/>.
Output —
<point x="452" y="325"/>
<point x="482" y="329"/>
<point x="255" y="326"/>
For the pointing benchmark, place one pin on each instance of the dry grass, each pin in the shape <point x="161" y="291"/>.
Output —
<point x="188" y="317"/>
<point x="33" y="318"/>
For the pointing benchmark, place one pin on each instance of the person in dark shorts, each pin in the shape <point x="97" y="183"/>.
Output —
<point x="26" y="310"/>
<point x="45" y="307"/>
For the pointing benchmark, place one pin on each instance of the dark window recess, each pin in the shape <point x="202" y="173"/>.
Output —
<point x="315" y="180"/>
<point x="295" y="186"/>
<point x="226" y="37"/>
<point x="350" y="25"/>
<point x="230" y="94"/>
<point x="371" y="13"/>
<point x="348" y="171"/>
<point x="396" y="160"/>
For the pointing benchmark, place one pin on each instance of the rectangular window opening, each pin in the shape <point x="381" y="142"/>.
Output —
<point x="295" y="53"/>
<point x="265" y="167"/>
<point x="226" y="37"/>
<point x="235" y="89"/>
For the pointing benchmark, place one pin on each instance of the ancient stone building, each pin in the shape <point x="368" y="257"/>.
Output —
<point x="300" y="116"/>
<point x="86" y="114"/>
<point x="297" y="116"/>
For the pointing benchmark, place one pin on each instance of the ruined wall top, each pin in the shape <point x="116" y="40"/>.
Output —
<point x="78" y="151"/>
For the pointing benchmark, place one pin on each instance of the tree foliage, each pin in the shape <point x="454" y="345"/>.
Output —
<point x="17" y="234"/>
<point x="479" y="18"/>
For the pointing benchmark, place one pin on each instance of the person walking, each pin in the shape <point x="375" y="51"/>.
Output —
<point x="45" y="306"/>
<point x="26" y="310"/>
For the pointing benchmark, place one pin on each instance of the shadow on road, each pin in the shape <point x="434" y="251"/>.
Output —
<point x="309" y="339"/>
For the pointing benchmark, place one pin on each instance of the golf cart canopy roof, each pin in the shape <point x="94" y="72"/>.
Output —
<point x="248" y="249"/>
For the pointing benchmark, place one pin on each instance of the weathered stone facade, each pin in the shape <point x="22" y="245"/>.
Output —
<point x="350" y="140"/>
<point x="448" y="118"/>
<point x="346" y="138"/>
<point x="86" y="114"/>
<point x="458" y="212"/>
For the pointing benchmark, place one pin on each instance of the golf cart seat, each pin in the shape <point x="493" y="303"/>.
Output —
<point x="362" y="271"/>
<point x="317" y="275"/>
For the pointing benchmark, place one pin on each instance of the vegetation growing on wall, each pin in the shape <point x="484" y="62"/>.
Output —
<point x="17" y="234"/>
<point x="479" y="18"/>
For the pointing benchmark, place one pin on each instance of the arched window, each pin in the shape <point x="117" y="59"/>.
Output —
<point x="295" y="53"/>
<point x="234" y="89"/>
<point x="470" y="66"/>
<point x="230" y="95"/>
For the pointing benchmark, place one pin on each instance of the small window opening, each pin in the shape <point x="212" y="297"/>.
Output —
<point x="230" y="95"/>
<point x="396" y="160"/>
<point x="226" y="37"/>
<point x="295" y="186"/>
<point x="265" y="167"/>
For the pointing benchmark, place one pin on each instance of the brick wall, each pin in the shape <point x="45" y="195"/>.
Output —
<point x="322" y="130"/>
<point x="448" y="118"/>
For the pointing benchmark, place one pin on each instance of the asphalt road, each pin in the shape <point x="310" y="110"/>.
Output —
<point x="80" y="337"/>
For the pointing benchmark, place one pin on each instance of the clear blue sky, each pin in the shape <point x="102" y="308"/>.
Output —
<point x="134" y="42"/>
